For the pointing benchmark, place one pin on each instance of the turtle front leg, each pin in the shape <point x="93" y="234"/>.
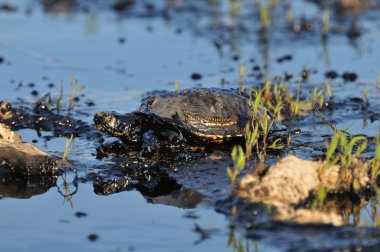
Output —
<point x="151" y="144"/>
<point x="158" y="145"/>
<point x="129" y="128"/>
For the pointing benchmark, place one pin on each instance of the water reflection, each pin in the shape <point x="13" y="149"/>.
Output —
<point x="154" y="185"/>
<point x="24" y="187"/>
<point x="181" y="198"/>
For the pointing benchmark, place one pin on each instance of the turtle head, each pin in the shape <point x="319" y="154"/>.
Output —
<point x="117" y="125"/>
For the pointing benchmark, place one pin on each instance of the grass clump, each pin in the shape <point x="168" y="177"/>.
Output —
<point x="341" y="149"/>
<point x="344" y="151"/>
<point x="350" y="173"/>
<point x="256" y="138"/>
<point x="75" y="88"/>
<point x="284" y="104"/>
<point x="262" y="123"/>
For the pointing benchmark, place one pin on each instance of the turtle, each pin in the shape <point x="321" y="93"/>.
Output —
<point x="195" y="116"/>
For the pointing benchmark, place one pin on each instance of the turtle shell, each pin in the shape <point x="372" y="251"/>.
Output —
<point x="207" y="113"/>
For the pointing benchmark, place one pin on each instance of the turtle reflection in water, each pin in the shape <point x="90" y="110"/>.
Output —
<point x="190" y="117"/>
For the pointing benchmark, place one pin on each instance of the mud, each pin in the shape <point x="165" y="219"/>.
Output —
<point x="41" y="118"/>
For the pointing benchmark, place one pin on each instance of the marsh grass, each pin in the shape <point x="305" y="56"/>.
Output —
<point x="251" y="140"/>
<point x="345" y="151"/>
<point x="294" y="104"/>
<point x="317" y="98"/>
<point x="238" y="160"/>
<point x="328" y="91"/>
<point x="341" y="150"/>
<point x="375" y="162"/>
<point x="264" y="14"/>
<point x="326" y="21"/>
<point x="263" y="124"/>
<point x="59" y="99"/>
<point x="69" y="145"/>
<point x="242" y="75"/>
<point x="74" y="90"/>
<point x="282" y="103"/>
<point x="234" y="7"/>
<point x="328" y="123"/>
<point x="256" y="138"/>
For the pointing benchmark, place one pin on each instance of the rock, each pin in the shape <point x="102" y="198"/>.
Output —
<point x="292" y="180"/>
<point x="289" y="181"/>
<point x="23" y="158"/>
<point x="7" y="136"/>
<point x="5" y="110"/>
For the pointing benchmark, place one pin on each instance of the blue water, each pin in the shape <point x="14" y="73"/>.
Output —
<point x="123" y="222"/>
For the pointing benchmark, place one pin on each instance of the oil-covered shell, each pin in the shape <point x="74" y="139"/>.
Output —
<point x="210" y="113"/>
